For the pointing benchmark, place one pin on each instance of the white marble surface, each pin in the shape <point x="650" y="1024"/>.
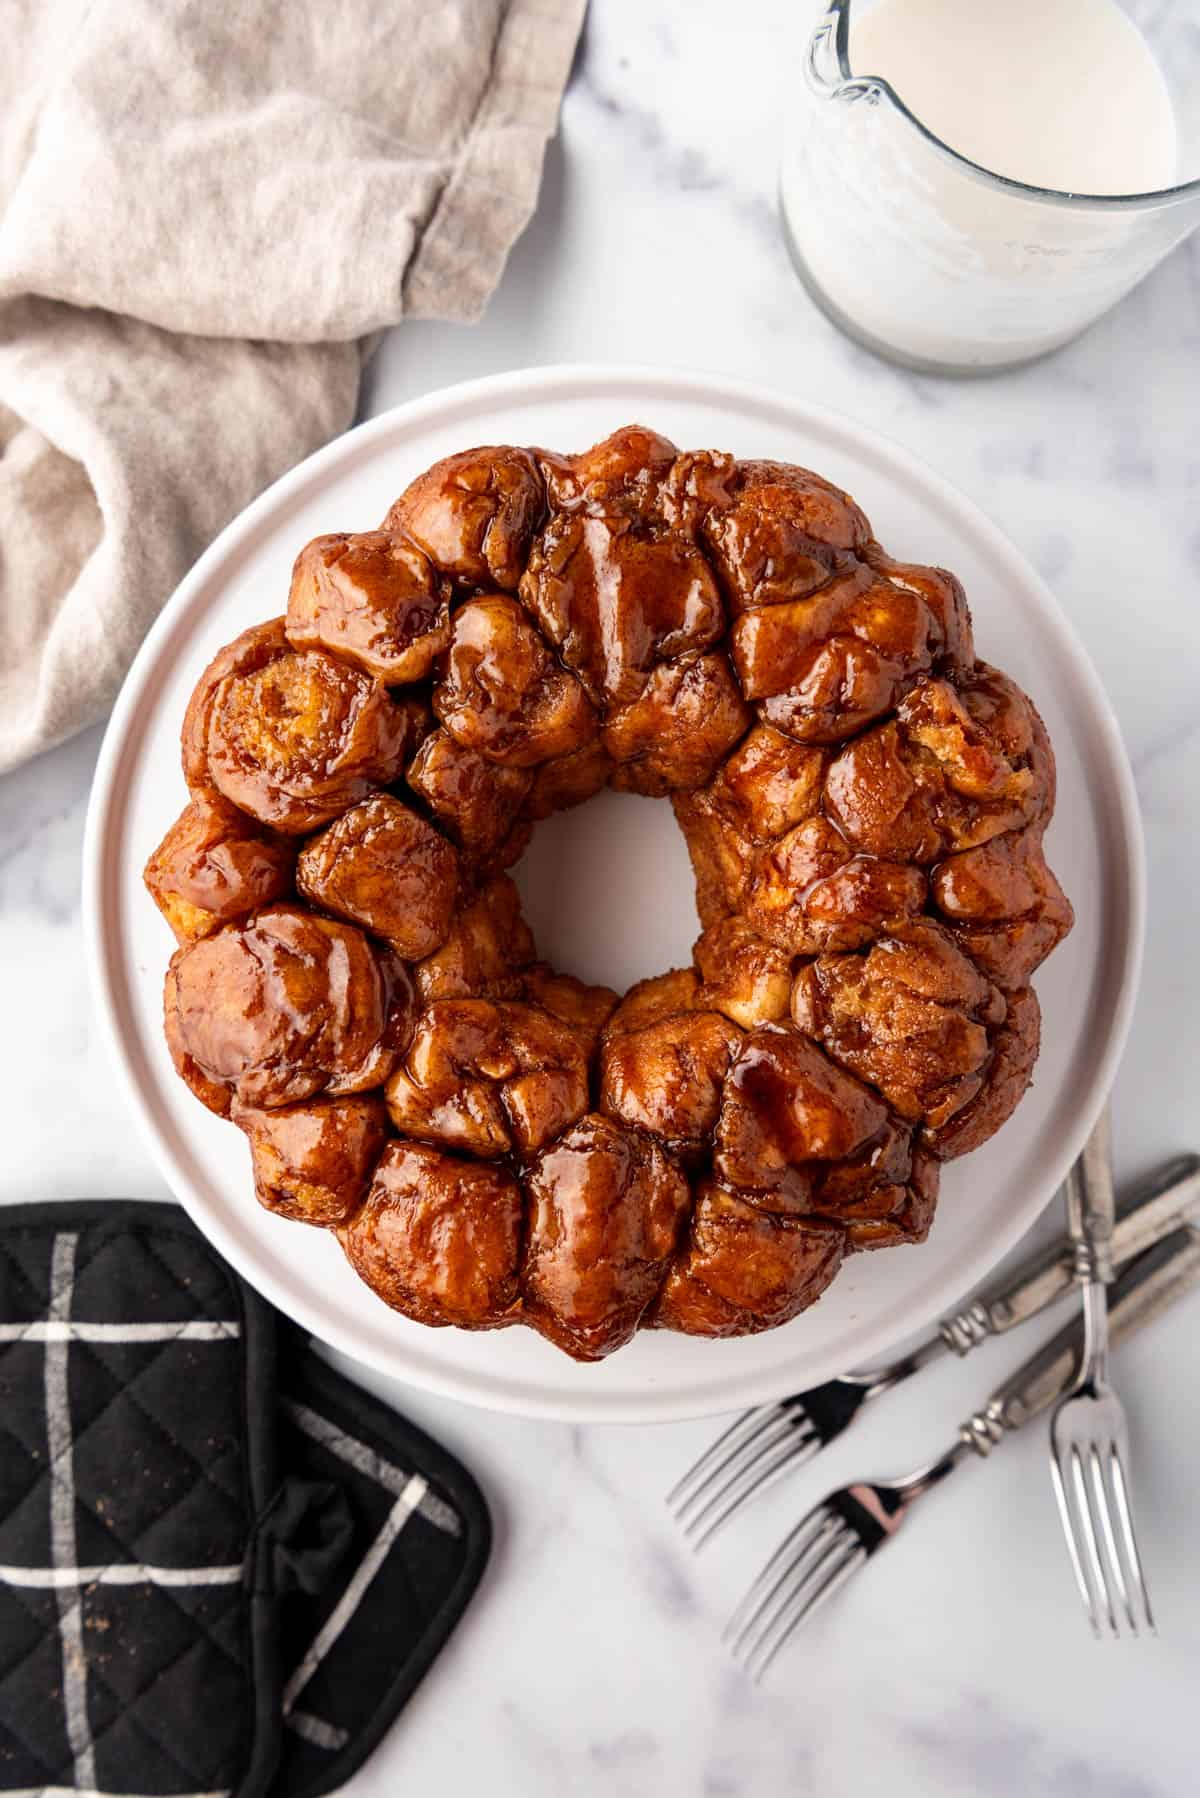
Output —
<point x="591" y="1661"/>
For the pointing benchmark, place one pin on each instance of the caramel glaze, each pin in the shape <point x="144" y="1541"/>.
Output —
<point x="292" y="737"/>
<point x="383" y="866"/>
<point x="374" y="599"/>
<point x="287" y="1005"/>
<point x="607" y="1206"/>
<point x="477" y="803"/>
<point x="216" y="865"/>
<point x="312" y="1161"/>
<point x="864" y="804"/>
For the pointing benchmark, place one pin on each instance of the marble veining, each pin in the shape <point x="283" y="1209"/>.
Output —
<point x="958" y="1666"/>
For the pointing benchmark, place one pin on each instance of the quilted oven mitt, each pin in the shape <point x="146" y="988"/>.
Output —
<point x="223" y="1568"/>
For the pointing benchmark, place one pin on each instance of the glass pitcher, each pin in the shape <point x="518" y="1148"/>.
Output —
<point x="935" y="261"/>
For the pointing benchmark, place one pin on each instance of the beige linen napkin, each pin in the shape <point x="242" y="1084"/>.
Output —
<point x="209" y="207"/>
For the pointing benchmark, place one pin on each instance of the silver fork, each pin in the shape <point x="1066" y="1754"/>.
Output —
<point x="1089" y="1444"/>
<point x="840" y="1534"/>
<point x="765" y="1443"/>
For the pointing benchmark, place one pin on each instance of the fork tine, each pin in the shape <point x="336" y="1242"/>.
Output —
<point x="838" y="1573"/>
<point x="1070" y="1534"/>
<point x="1091" y="1555"/>
<point x="794" y="1455"/>
<point x="843" y="1556"/>
<point x="742" y="1454"/>
<point x="833" y="1582"/>
<point x="809" y="1534"/>
<point x="777" y="1604"/>
<point x="792" y="1544"/>
<point x="750" y="1480"/>
<point x="1102" y="1510"/>
<point x="762" y="1415"/>
<point x="1128" y="1538"/>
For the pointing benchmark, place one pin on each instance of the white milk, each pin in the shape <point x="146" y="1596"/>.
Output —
<point x="924" y="257"/>
<point x="1056" y="93"/>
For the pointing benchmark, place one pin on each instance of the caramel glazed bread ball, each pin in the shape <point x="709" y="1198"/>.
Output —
<point x="864" y="803"/>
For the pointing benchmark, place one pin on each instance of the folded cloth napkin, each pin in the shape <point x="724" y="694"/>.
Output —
<point x="207" y="212"/>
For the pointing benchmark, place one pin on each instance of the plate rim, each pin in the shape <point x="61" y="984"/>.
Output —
<point x="556" y="381"/>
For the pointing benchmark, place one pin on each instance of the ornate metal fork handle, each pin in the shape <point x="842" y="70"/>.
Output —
<point x="1145" y="1287"/>
<point x="1166" y="1197"/>
<point x="1156" y="1205"/>
<point x="1148" y="1285"/>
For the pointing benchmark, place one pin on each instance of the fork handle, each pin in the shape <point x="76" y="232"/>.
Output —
<point x="1091" y="1205"/>
<point x="1144" y="1289"/>
<point x="1155" y="1207"/>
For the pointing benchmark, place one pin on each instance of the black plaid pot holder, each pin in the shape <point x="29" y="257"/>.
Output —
<point x="223" y="1568"/>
